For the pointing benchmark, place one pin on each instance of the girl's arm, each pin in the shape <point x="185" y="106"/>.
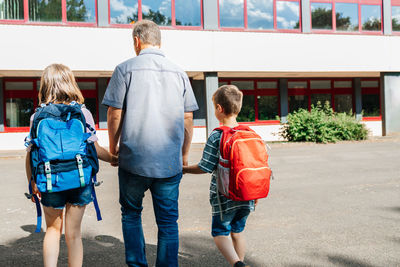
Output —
<point x="104" y="155"/>
<point x="28" y="170"/>
<point x="195" y="169"/>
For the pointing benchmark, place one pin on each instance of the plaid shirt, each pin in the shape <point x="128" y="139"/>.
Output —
<point x="209" y="163"/>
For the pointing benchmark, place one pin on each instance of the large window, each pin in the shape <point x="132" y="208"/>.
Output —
<point x="260" y="99"/>
<point x="260" y="14"/>
<point x="21" y="99"/>
<point x="370" y="98"/>
<point x="346" y="15"/>
<point x="177" y="13"/>
<point x="338" y="93"/>
<point x="75" y="12"/>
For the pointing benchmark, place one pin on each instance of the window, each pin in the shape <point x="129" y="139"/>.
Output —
<point x="396" y="17"/>
<point x="321" y="16"/>
<point x="370" y="97"/>
<point x="231" y="13"/>
<point x="346" y="16"/>
<point x="371" y="18"/>
<point x="11" y="9"/>
<point x="288" y="15"/>
<point x="260" y="99"/>
<point x="178" y="13"/>
<point x="260" y="14"/>
<point x="74" y="12"/>
<point x="20" y="99"/>
<point x="305" y="93"/>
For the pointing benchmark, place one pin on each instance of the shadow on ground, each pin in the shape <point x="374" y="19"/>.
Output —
<point x="337" y="260"/>
<point x="103" y="250"/>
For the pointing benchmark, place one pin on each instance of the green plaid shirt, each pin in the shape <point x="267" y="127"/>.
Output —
<point x="209" y="163"/>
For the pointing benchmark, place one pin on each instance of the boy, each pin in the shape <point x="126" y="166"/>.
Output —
<point x="228" y="216"/>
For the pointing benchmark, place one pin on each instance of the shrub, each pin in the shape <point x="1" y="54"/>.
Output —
<point x="322" y="125"/>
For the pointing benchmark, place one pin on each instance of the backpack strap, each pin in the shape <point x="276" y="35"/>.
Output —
<point x="80" y="169"/>
<point x="47" y="170"/>
<point x="38" y="208"/>
<point x="95" y="203"/>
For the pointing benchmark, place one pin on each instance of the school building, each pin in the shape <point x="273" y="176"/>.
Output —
<point x="283" y="55"/>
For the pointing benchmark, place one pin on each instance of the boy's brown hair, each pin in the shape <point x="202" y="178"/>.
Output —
<point x="229" y="98"/>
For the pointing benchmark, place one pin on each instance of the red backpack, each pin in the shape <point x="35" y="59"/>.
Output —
<point x="243" y="171"/>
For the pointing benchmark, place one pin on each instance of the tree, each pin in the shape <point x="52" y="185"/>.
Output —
<point x="344" y="23"/>
<point x="321" y="18"/>
<point x="157" y="17"/>
<point x="396" y="24"/>
<point x="373" y="24"/>
<point x="76" y="10"/>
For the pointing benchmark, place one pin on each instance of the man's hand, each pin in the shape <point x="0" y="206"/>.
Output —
<point x="188" y="137"/>
<point x="114" y="123"/>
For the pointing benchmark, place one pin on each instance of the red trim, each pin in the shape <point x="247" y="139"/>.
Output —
<point x="26" y="11"/>
<point x="379" y="118"/>
<point x="173" y="19"/>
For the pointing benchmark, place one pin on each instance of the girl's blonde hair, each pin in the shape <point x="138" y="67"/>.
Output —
<point x="58" y="85"/>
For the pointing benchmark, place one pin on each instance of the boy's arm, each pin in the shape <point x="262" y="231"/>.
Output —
<point x="104" y="155"/>
<point x="195" y="169"/>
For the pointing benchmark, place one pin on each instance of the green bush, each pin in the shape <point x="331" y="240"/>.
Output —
<point x="322" y="125"/>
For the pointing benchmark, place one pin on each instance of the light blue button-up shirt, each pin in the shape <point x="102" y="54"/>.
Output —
<point x="154" y="94"/>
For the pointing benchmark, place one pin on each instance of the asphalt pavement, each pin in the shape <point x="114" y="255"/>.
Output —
<point x="329" y="205"/>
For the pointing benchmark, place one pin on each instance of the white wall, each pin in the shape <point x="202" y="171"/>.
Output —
<point x="25" y="47"/>
<point x="15" y="141"/>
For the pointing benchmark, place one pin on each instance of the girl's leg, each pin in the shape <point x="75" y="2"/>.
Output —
<point x="240" y="244"/>
<point x="73" y="220"/>
<point x="51" y="243"/>
<point x="225" y="246"/>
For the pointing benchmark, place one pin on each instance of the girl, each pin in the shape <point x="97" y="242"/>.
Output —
<point x="58" y="86"/>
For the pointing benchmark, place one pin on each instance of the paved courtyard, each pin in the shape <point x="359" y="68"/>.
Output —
<point x="329" y="205"/>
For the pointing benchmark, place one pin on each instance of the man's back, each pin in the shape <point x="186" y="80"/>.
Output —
<point x="154" y="94"/>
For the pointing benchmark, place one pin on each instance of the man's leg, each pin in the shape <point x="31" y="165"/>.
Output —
<point x="131" y="193"/>
<point x="165" y="193"/>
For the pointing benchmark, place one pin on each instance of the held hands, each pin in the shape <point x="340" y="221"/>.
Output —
<point x="114" y="156"/>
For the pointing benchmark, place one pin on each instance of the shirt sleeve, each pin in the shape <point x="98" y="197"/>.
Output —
<point x="190" y="102"/>
<point x="116" y="90"/>
<point x="209" y="160"/>
<point x="89" y="120"/>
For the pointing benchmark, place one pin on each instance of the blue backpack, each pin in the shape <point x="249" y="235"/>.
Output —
<point x="62" y="158"/>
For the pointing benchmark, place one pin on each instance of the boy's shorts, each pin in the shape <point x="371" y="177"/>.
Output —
<point x="77" y="197"/>
<point x="233" y="221"/>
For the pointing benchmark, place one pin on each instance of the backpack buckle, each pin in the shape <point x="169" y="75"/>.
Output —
<point x="47" y="168"/>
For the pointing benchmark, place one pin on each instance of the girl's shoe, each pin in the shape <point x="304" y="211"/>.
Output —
<point x="240" y="264"/>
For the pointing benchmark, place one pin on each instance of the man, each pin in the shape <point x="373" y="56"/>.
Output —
<point x="150" y="104"/>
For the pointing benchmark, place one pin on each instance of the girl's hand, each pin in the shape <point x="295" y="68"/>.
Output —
<point x="35" y="191"/>
<point x="114" y="160"/>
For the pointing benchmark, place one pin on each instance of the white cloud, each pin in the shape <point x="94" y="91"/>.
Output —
<point x="125" y="11"/>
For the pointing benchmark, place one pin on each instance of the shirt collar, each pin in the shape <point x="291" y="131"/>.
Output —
<point x="154" y="51"/>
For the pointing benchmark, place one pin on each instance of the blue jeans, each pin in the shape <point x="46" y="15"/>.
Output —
<point x="165" y="193"/>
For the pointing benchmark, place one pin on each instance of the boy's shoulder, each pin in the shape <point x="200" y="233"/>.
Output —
<point x="215" y="136"/>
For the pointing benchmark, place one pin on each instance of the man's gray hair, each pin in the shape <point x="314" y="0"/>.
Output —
<point x="148" y="32"/>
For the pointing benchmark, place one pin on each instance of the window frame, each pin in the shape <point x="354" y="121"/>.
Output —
<point x="63" y="22"/>
<point x="258" y="92"/>
<point x="173" y="18"/>
<point x="359" y="4"/>
<point x="275" y="28"/>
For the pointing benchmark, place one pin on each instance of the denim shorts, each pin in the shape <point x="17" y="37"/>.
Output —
<point x="233" y="221"/>
<point x="78" y="197"/>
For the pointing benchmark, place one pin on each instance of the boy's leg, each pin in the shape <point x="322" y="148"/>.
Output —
<point x="165" y="194"/>
<point x="239" y="244"/>
<point x="225" y="246"/>
<point x="73" y="237"/>
<point x="238" y="224"/>
<point x="131" y="189"/>
<point x="51" y="243"/>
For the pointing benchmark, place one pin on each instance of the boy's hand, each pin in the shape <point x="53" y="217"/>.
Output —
<point x="184" y="171"/>
<point x="35" y="191"/>
<point x="255" y="202"/>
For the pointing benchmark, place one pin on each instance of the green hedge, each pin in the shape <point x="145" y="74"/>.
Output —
<point x="322" y="125"/>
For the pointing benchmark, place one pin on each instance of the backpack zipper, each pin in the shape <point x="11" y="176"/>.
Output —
<point x="237" y="175"/>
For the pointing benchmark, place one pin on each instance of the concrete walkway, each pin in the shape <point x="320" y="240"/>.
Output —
<point x="330" y="205"/>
